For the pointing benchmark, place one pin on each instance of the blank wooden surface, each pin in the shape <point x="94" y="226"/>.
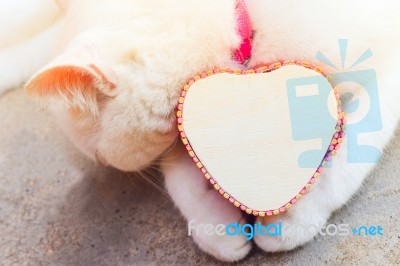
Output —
<point x="239" y="127"/>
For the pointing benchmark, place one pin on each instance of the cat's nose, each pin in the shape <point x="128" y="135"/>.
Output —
<point x="100" y="158"/>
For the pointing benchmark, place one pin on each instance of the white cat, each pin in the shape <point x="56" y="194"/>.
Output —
<point x="118" y="67"/>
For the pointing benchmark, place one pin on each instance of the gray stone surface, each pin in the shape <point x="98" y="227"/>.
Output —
<point x="57" y="208"/>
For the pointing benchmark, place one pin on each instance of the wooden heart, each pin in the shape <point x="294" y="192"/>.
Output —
<point x="261" y="137"/>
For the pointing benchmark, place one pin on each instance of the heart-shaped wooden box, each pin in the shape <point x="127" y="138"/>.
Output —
<point x="263" y="136"/>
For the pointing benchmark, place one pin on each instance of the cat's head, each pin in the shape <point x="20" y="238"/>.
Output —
<point x="112" y="112"/>
<point x="121" y="67"/>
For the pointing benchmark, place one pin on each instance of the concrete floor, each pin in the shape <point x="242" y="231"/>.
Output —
<point x="57" y="208"/>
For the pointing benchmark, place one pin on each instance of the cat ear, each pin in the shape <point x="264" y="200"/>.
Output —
<point x="74" y="85"/>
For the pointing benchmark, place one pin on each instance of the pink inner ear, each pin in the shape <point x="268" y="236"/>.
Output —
<point x="102" y="77"/>
<point x="64" y="81"/>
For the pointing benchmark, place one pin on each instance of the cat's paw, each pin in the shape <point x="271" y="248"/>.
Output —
<point x="299" y="225"/>
<point x="224" y="247"/>
<point x="206" y="211"/>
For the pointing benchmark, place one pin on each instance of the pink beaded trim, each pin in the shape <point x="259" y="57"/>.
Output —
<point x="337" y="138"/>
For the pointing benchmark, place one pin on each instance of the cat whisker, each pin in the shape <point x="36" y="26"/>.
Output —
<point x="172" y="146"/>
<point x="146" y="175"/>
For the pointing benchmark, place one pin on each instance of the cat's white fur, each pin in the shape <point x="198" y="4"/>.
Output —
<point x="149" y="48"/>
<point x="24" y="49"/>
